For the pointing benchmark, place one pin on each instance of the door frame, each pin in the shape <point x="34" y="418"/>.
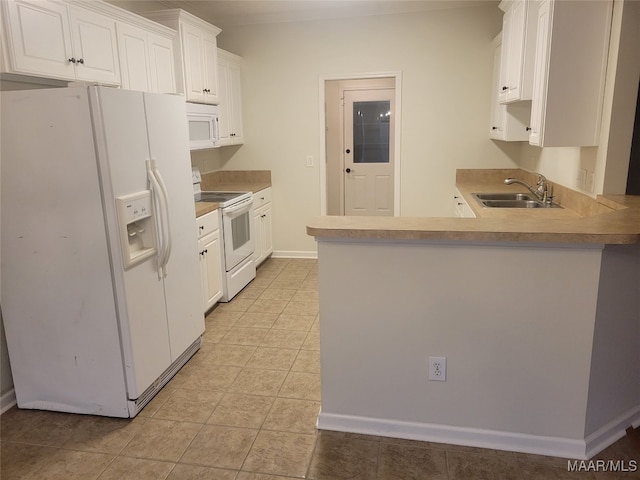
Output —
<point x="397" y="76"/>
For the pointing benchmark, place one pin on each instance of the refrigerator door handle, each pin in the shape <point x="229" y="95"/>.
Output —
<point x="165" y="194"/>
<point x="158" y="200"/>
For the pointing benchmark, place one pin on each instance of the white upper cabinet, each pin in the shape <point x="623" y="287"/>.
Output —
<point x="229" y="71"/>
<point x="518" y="50"/>
<point x="197" y="48"/>
<point x="161" y="64"/>
<point x="26" y="25"/>
<point x="60" y="41"/>
<point x="95" y="46"/>
<point x="87" y="41"/>
<point x="146" y="59"/>
<point x="509" y="122"/>
<point x="570" y="70"/>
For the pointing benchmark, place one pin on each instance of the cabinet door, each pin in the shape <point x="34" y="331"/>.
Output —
<point x="161" y="64"/>
<point x="540" y="77"/>
<point x="267" y="233"/>
<point x="503" y="84"/>
<point x="224" y="108"/>
<point x="235" y="102"/>
<point x="517" y="17"/>
<point x="193" y="63"/>
<point x="263" y="233"/>
<point x="210" y="47"/>
<point x="509" y="122"/>
<point x="95" y="46"/>
<point x="211" y="268"/>
<point x="134" y="57"/>
<point x="39" y="38"/>
<point x="258" y="254"/>
<point x="496" y="126"/>
<point x="229" y="94"/>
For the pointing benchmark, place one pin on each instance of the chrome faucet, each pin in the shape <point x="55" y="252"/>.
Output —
<point x="542" y="192"/>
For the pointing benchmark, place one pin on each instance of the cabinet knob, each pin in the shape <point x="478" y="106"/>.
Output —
<point x="72" y="60"/>
<point x="494" y="128"/>
<point x="528" y="129"/>
<point x="81" y="61"/>
<point x="206" y="90"/>
<point x="505" y="88"/>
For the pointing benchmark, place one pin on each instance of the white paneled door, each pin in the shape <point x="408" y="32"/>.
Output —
<point x="368" y="151"/>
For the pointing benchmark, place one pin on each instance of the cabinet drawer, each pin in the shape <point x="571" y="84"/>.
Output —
<point x="207" y="223"/>
<point x="261" y="197"/>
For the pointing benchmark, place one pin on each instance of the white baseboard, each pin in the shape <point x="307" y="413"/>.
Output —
<point x="7" y="400"/>
<point x="294" y="254"/>
<point x="612" y="432"/>
<point x="497" y="440"/>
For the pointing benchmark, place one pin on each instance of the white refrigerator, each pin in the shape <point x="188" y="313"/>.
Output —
<point x="100" y="289"/>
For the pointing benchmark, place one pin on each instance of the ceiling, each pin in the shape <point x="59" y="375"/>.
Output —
<point x="227" y="13"/>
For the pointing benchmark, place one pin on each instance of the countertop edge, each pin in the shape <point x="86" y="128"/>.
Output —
<point x="616" y="223"/>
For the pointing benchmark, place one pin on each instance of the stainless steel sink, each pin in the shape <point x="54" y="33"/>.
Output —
<point x="512" y="204"/>
<point x="511" y="200"/>
<point x="503" y="196"/>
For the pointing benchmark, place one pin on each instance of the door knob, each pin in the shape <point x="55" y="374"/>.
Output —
<point x="348" y="151"/>
<point x="348" y="170"/>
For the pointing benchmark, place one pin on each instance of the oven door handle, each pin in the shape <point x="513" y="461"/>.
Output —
<point x="238" y="208"/>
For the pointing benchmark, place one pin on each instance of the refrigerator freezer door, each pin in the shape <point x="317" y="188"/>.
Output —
<point x="58" y="302"/>
<point x="168" y="140"/>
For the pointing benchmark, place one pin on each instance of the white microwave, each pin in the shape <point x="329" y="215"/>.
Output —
<point x="204" y="128"/>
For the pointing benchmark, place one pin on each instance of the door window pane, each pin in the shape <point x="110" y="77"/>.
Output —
<point x="371" y="122"/>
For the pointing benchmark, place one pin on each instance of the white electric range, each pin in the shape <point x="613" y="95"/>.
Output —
<point x="237" y="233"/>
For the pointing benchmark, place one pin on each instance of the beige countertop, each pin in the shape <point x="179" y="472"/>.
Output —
<point x="611" y="219"/>
<point x="231" y="181"/>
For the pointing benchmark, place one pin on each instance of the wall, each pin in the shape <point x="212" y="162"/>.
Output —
<point x="518" y="342"/>
<point x="446" y="62"/>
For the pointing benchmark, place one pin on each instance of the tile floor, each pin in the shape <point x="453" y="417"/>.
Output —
<point x="244" y="408"/>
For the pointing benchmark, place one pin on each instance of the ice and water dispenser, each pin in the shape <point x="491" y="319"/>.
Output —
<point x="137" y="229"/>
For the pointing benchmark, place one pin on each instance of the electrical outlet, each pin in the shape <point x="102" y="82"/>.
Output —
<point x="309" y="160"/>
<point x="438" y="369"/>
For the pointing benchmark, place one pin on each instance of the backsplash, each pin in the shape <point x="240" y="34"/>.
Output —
<point x="229" y="177"/>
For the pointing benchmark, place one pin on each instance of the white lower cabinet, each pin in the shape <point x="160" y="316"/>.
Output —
<point x="461" y="207"/>
<point x="262" y="226"/>
<point x="210" y="254"/>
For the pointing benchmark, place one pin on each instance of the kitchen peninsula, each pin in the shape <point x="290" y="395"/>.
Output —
<point x="537" y="312"/>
